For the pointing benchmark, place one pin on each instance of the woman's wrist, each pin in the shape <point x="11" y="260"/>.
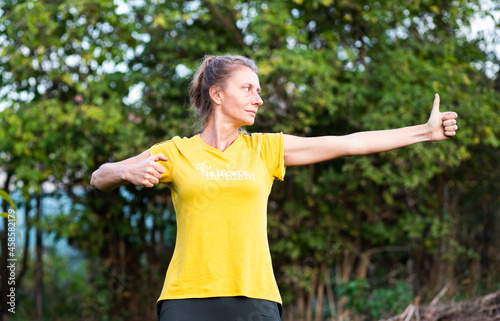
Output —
<point x="124" y="174"/>
<point x="426" y="132"/>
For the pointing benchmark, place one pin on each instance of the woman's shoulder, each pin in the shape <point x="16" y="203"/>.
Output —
<point x="265" y="136"/>
<point x="263" y="141"/>
<point x="173" y="145"/>
<point x="262" y="135"/>
<point x="177" y="139"/>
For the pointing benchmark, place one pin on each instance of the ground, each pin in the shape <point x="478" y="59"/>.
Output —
<point x="486" y="308"/>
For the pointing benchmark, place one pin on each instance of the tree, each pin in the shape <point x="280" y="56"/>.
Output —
<point x="340" y="230"/>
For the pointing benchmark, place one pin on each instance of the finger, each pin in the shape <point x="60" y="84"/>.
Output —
<point x="159" y="157"/>
<point x="449" y="115"/>
<point x="149" y="181"/>
<point x="449" y="122"/>
<point x="451" y="128"/>
<point x="153" y="180"/>
<point x="450" y="133"/>
<point x="155" y="173"/>
<point x="158" y="168"/>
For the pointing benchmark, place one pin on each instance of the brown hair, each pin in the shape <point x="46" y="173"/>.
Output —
<point x="213" y="71"/>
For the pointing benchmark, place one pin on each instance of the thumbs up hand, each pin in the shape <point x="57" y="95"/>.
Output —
<point x="441" y="125"/>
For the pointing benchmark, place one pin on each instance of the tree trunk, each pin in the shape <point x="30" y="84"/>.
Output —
<point x="318" y="313"/>
<point x="310" y="295"/>
<point x="344" y="267"/>
<point x="331" y="296"/>
<point x="301" y="307"/>
<point x="25" y="253"/>
<point x="38" y="262"/>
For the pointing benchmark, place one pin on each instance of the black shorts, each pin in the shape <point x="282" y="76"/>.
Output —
<point x="219" y="309"/>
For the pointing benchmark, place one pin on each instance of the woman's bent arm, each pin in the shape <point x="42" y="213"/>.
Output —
<point x="142" y="170"/>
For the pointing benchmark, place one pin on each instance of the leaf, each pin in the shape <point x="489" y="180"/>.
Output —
<point x="6" y="197"/>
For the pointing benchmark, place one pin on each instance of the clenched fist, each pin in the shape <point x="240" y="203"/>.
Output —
<point x="146" y="173"/>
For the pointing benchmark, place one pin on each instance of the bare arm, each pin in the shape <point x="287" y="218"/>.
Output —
<point x="142" y="170"/>
<point x="303" y="150"/>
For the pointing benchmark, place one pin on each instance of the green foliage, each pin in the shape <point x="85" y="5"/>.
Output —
<point x="9" y="200"/>
<point x="67" y="289"/>
<point x="326" y="68"/>
<point x="376" y="302"/>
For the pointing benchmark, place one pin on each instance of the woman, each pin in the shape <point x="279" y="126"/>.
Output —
<point x="220" y="182"/>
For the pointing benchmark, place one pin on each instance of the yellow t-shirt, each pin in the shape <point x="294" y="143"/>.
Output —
<point x="220" y="199"/>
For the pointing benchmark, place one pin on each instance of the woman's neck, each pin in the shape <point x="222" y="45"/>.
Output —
<point x="219" y="135"/>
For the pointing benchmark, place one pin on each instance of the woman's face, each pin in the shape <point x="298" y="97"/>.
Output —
<point x="240" y="98"/>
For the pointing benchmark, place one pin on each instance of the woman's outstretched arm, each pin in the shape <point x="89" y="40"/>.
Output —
<point x="142" y="170"/>
<point x="309" y="150"/>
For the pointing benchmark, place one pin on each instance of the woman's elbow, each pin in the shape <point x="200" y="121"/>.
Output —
<point x="95" y="182"/>
<point x="93" y="179"/>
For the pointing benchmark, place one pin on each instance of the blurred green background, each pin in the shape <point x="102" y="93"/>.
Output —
<point x="84" y="82"/>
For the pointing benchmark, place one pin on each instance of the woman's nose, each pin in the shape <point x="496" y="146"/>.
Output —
<point x="258" y="99"/>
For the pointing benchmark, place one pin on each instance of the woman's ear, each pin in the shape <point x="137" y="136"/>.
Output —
<point x="216" y="94"/>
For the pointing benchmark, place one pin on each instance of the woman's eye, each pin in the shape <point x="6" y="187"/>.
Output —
<point x="246" y="88"/>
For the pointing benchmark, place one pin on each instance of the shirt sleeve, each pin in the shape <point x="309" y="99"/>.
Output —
<point x="272" y="153"/>
<point x="168" y="149"/>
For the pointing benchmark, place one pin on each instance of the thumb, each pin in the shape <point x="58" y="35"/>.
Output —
<point x="435" y="106"/>
<point x="159" y="157"/>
